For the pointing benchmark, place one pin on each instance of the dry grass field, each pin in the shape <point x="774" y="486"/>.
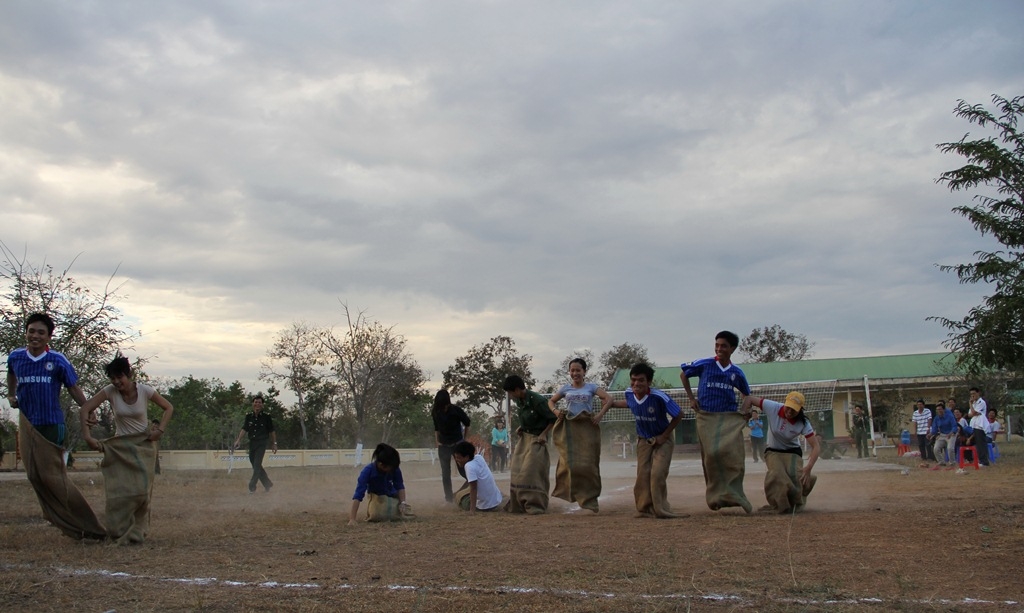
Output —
<point x="872" y="539"/>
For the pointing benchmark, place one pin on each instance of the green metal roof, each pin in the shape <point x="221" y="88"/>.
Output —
<point x="878" y="367"/>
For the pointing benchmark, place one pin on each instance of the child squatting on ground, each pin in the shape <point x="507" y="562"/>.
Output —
<point x="480" y="493"/>
<point x="382" y="478"/>
<point x="788" y="481"/>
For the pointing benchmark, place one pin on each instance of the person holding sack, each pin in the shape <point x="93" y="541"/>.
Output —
<point x="577" y="436"/>
<point x="788" y="480"/>
<point x="719" y="426"/>
<point x="528" y="478"/>
<point x="656" y="416"/>
<point x="129" y="458"/>
<point x="382" y="479"/>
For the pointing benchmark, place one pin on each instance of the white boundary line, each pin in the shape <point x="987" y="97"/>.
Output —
<point x="213" y="581"/>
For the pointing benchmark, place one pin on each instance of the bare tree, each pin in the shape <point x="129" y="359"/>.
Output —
<point x="294" y="360"/>
<point x="88" y="332"/>
<point x="367" y="359"/>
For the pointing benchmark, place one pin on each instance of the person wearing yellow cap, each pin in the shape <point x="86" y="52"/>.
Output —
<point x="788" y="480"/>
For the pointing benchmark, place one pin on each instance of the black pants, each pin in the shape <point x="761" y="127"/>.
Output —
<point x="926" y="450"/>
<point x="444" y="455"/>
<point x="981" y="444"/>
<point x="499" y="458"/>
<point x="258" y="449"/>
<point x="860" y="441"/>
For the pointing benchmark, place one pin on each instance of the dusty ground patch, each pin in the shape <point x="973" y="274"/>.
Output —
<point x="872" y="539"/>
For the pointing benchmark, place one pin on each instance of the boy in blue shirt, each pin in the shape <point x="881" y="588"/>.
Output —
<point x="719" y="424"/>
<point x="382" y="480"/>
<point x="652" y="409"/>
<point x="35" y="375"/>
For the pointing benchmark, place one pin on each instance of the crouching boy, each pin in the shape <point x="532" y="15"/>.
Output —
<point x="481" y="492"/>
<point x="788" y="481"/>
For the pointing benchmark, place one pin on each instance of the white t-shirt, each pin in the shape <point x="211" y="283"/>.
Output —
<point x="782" y="433"/>
<point x="980" y="421"/>
<point x="488" y="495"/>
<point x="130" y="418"/>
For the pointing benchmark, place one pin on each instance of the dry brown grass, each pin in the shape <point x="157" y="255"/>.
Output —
<point x="874" y="540"/>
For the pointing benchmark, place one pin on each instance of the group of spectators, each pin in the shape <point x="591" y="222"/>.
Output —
<point x="941" y="434"/>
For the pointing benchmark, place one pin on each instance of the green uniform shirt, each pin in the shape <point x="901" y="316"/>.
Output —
<point x="534" y="413"/>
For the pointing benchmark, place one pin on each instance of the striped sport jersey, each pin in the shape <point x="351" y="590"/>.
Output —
<point x="716" y="391"/>
<point x="652" y="413"/>
<point x="39" y="382"/>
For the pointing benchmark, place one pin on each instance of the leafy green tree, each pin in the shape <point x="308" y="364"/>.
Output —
<point x="622" y="356"/>
<point x="775" y="344"/>
<point x="477" y="377"/>
<point x="208" y="414"/>
<point x="328" y="414"/>
<point x="991" y="335"/>
<point x="407" y="422"/>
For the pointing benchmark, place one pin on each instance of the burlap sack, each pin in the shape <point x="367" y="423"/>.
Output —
<point x="651" y="490"/>
<point x="782" y="485"/>
<point x="63" y="504"/>
<point x="382" y="508"/>
<point x="578" y="474"/>
<point x="529" y="481"/>
<point x="129" y="468"/>
<point x="722" y="456"/>
<point x="462" y="497"/>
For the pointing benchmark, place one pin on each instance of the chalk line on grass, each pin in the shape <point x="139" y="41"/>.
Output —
<point x="509" y="589"/>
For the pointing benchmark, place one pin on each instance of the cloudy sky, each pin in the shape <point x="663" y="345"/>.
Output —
<point x="570" y="174"/>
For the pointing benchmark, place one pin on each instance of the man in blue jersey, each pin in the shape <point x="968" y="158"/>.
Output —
<point x="652" y="409"/>
<point x="35" y="375"/>
<point x="719" y="424"/>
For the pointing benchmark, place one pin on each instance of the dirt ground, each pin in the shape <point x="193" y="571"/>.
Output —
<point x="872" y="538"/>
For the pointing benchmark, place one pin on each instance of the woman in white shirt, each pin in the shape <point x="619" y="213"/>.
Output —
<point x="129" y="459"/>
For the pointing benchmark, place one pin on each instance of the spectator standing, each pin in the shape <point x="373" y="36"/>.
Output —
<point x="979" y="422"/>
<point x="923" y="421"/>
<point x="756" y="435"/>
<point x="499" y="446"/>
<point x="861" y="431"/>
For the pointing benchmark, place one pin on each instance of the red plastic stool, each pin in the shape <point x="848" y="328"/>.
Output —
<point x="974" y="454"/>
<point x="902" y="449"/>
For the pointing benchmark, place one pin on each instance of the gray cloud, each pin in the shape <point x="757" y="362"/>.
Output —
<point x="576" y="174"/>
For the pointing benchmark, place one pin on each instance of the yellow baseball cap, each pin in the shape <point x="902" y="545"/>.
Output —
<point x="795" y="401"/>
